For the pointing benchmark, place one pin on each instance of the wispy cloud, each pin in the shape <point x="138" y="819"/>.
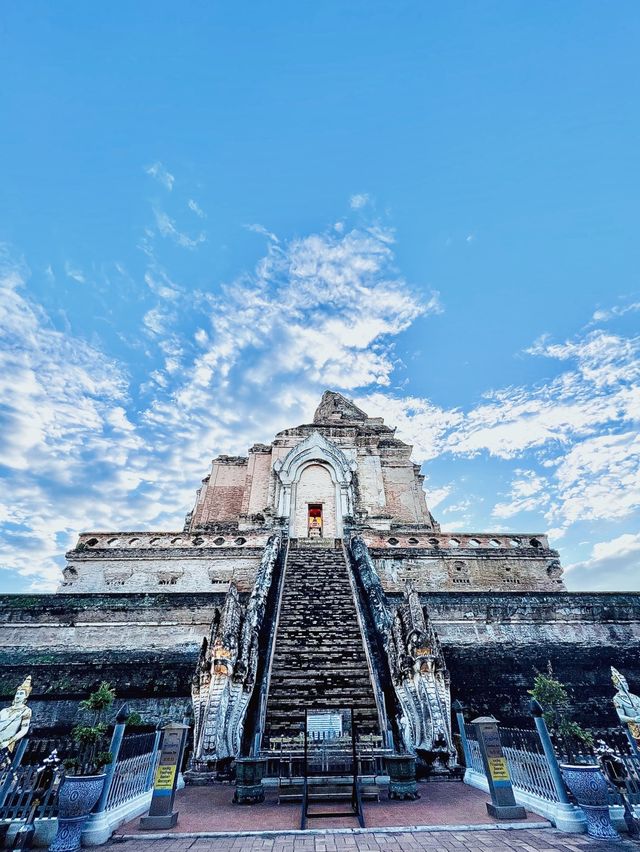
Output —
<point x="578" y="432"/>
<point x="167" y="227"/>
<point x="260" y="229"/>
<point x="606" y="314"/>
<point x="359" y="200"/>
<point x="162" y="175"/>
<point x="74" y="272"/>
<point x="195" y="208"/>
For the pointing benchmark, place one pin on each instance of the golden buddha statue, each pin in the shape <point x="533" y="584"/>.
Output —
<point x="15" y="719"/>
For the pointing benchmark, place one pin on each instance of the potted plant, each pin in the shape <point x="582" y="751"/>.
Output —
<point x="84" y="776"/>
<point x="580" y="771"/>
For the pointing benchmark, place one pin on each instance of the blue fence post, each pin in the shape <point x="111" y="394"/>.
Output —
<point x="148" y="782"/>
<point x="457" y="709"/>
<point x="15" y="763"/>
<point x="549" y="753"/>
<point x="114" y="748"/>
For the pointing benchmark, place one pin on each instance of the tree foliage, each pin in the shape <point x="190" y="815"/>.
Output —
<point x="554" y="699"/>
<point x="93" y="754"/>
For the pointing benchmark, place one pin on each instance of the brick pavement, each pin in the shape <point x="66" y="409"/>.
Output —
<point x="520" y="840"/>
<point x="210" y="809"/>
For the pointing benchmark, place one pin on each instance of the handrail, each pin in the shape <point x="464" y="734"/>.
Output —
<point x="373" y="674"/>
<point x="255" y="745"/>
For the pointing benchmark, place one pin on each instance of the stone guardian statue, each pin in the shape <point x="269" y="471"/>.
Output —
<point x="627" y="705"/>
<point x="15" y="719"/>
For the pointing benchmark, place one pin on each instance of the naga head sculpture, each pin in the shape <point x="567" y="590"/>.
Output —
<point x="222" y="660"/>
<point x="619" y="680"/>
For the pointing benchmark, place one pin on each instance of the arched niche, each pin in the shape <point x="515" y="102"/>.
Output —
<point x="314" y="460"/>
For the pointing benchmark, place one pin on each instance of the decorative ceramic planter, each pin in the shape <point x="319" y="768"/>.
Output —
<point x="76" y="799"/>
<point x="249" y="775"/>
<point x="591" y="791"/>
<point x="402" y="776"/>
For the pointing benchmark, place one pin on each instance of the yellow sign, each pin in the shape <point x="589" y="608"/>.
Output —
<point x="165" y="776"/>
<point x="498" y="769"/>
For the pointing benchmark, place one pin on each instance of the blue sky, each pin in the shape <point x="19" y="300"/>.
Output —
<point x="211" y="212"/>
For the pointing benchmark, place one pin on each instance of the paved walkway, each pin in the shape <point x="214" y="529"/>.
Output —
<point x="210" y="809"/>
<point x="483" y="840"/>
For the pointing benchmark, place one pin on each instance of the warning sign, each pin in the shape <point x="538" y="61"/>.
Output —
<point x="165" y="776"/>
<point x="498" y="769"/>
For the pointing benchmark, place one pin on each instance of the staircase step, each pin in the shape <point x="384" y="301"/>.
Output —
<point x="319" y="660"/>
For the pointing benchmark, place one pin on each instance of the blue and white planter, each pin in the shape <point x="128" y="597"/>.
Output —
<point x="591" y="791"/>
<point x="77" y="797"/>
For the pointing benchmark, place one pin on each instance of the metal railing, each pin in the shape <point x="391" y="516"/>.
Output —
<point x="129" y="775"/>
<point x="528" y="764"/>
<point x="533" y="758"/>
<point x="134" y="769"/>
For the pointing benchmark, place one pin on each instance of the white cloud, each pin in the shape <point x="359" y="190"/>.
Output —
<point x="359" y="200"/>
<point x="195" y="208"/>
<point x="613" y="564"/>
<point x="74" y="272"/>
<point x="529" y="492"/>
<point x="162" y="175"/>
<point x="606" y="314"/>
<point x="579" y="431"/>
<point x="260" y="229"/>
<point x="167" y="228"/>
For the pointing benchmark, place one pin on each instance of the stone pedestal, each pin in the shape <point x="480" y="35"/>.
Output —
<point x="402" y="776"/>
<point x="249" y="775"/>
<point x="161" y="814"/>
<point x="503" y="804"/>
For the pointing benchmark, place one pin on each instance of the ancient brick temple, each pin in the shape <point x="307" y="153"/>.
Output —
<point x="311" y="574"/>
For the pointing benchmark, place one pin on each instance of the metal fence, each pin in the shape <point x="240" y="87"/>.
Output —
<point x="134" y="769"/>
<point x="19" y="789"/>
<point x="131" y="774"/>
<point x="527" y="762"/>
<point x="530" y="767"/>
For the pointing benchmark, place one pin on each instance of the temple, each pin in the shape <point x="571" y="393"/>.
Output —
<point x="311" y="575"/>
<point x="342" y="475"/>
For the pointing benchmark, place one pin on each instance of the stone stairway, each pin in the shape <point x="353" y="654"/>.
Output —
<point x="319" y="659"/>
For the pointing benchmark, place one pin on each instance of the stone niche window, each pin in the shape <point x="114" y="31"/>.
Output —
<point x="460" y="573"/>
<point x="168" y="578"/>
<point x="116" y="578"/>
<point x="509" y="578"/>
<point x="92" y="542"/>
<point x="414" y="541"/>
<point x="70" y="575"/>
